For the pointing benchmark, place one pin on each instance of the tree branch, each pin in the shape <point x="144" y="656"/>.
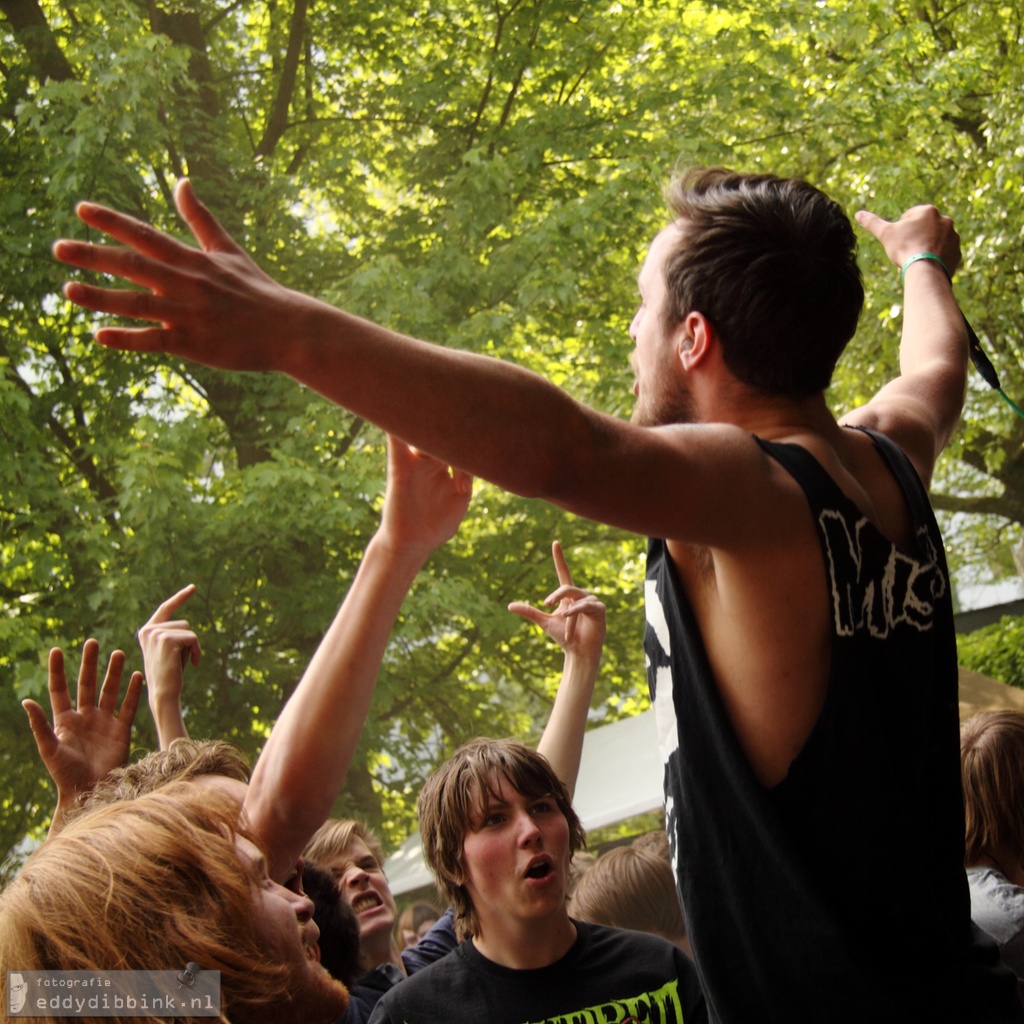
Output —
<point x="32" y="30"/>
<point x="278" y="120"/>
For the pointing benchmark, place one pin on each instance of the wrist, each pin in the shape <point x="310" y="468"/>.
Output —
<point x="400" y="556"/>
<point x="926" y="258"/>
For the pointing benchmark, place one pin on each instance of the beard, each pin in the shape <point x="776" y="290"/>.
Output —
<point x="672" y="403"/>
<point x="314" y="997"/>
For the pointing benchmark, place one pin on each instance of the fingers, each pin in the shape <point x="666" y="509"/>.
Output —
<point x="171" y="605"/>
<point x="531" y="614"/>
<point x="561" y="566"/>
<point x="920" y="229"/>
<point x="135" y="339"/>
<point x="142" y="240"/>
<point x="111" y="688"/>
<point x="463" y="481"/>
<point x="566" y="594"/>
<point x="42" y="731"/>
<point x="60" y="699"/>
<point x="565" y="578"/>
<point x="129" y="302"/>
<point x="132" y="697"/>
<point x="168" y="640"/>
<point x="87" y="674"/>
<point x="203" y="225"/>
<point x="871" y="222"/>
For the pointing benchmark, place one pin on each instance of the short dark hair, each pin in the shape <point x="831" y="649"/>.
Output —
<point x="447" y="803"/>
<point x="772" y="264"/>
<point x="992" y="769"/>
<point x="339" y="928"/>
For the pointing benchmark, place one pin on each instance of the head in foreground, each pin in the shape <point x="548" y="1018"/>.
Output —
<point x="160" y="881"/>
<point x="767" y="267"/>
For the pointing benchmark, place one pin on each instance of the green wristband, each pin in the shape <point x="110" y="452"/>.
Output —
<point x="925" y="256"/>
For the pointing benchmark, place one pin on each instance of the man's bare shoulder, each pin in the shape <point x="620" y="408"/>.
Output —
<point x="907" y="418"/>
<point x="707" y="484"/>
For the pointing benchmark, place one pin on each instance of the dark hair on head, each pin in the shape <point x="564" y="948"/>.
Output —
<point x="992" y="769"/>
<point x="449" y="800"/>
<point x="339" y="929"/>
<point x="772" y="264"/>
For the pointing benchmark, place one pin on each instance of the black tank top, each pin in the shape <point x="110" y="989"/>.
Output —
<point x="839" y="895"/>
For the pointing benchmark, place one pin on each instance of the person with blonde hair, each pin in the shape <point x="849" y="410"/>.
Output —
<point x="629" y="887"/>
<point x="499" y="832"/>
<point x="163" y="880"/>
<point x="992" y="769"/>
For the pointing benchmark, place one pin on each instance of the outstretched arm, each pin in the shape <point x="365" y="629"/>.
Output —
<point x="920" y="408"/>
<point x="168" y="645"/>
<point x="214" y="305"/>
<point x="87" y="741"/>
<point x="578" y="626"/>
<point x="302" y="767"/>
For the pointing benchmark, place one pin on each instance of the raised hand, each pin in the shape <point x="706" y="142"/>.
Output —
<point x="578" y="623"/>
<point x="920" y="229"/>
<point x="87" y="741"/>
<point x="213" y="304"/>
<point x="168" y="646"/>
<point x="425" y="500"/>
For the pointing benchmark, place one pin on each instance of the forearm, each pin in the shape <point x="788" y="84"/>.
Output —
<point x="301" y="770"/>
<point x="562" y="741"/>
<point x="934" y="339"/>
<point x="934" y="333"/>
<point x="475" y="412"/>
<point x="168" y="719"/>
<point x="61" y="816"/>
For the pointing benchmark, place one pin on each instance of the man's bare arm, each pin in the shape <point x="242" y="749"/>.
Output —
<point x="921" y="407"/>
<point x="494" y="419"/>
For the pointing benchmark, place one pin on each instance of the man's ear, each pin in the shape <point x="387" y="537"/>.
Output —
<point x="696" y="339"/>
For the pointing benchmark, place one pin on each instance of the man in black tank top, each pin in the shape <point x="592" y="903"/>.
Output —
<point x="800" y="647"/>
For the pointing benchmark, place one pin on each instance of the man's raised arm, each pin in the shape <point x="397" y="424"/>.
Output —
<point x="216" y="306"/>
<point x="921" y="407"/>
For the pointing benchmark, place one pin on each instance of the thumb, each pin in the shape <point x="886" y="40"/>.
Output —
<point x="45" y="737"/>
<point x="871" y="222"/>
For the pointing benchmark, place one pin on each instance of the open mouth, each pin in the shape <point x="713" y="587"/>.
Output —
<point x="366" y="901"/>
<point x="539" y="869"/>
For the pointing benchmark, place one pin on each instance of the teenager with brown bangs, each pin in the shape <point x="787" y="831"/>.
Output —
<point x="499" y="832"/>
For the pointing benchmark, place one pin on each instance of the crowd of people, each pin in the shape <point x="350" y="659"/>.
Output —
<point x="815" y="863"/>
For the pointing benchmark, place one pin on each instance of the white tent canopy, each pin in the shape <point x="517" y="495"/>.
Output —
<point x="620" y="776"/>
